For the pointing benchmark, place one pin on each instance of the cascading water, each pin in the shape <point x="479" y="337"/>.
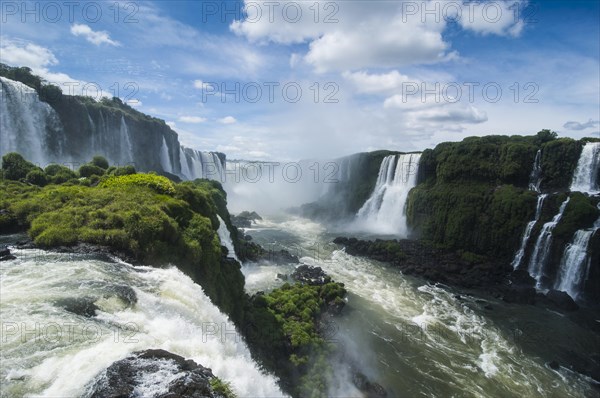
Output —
<point x="27" y="124"/>
<point x="165" y="159"/>
<point x="49" y="351"/>
<point x="521" y="252"/>
<point x="535" y="178"/>
<point x="225" y="238"/>
<point x="385" y="211"/>
<point x="196" y="164"/>
<point x="125" y="145"/>
<point x="185" y="168"/>
<point x="586" y="173"/>
<point x="575" y="262"/>
<point x="542" y="246"/>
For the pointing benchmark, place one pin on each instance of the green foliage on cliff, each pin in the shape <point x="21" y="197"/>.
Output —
<point x="580" y="213"/>
<point x="282" y="328"/>
<point x="471" y="216"/>
<point x="155" y="182"/>
<point x="143" y="215"/>
<point x="559" y="160"/>
<point x="472" y="195"/>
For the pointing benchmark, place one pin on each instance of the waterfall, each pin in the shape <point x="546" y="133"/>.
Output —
<point x="527" y="234"/>
<point x="225" y="238"/>
<point x="575" y="262"/>
<point x="171" y="313"/>
<point x="126" y="147"/>
<point x="542" y="246"/>
<point x="535" y="178"/>
<point x="27" y="124"/>
<point x="385" y="211"/>
<point x="165" y="159"/>
<point x="185" y="168"/>
<point x="586" y="173"/>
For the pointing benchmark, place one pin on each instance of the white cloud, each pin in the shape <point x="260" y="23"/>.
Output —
<point x="581" y="126"/>
<point x="38" y="58"/>
<point x="227" y="120"/>
<point x="373" y="83"/>
<point x="499" y="17"/>
<point x="97" y="38"/>
<point x="25" y="54"/>
<point x="199" y="84"/>
<point x="192" y="119"/>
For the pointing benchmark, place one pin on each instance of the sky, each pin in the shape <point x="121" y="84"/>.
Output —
<point x="286" y="80"/>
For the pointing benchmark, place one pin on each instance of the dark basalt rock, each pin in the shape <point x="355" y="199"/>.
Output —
<point x="5" y="254"/>
<point x="245" y="219"/>
<point x="83" y="306"/>
<point x="310" y="275"/>
<point x="422" y="259"/>
<point x="370" y="389"/>
<point x="123" y="377"/>
<point x="562" y="300"/>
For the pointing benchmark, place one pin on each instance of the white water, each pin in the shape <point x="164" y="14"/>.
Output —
<point x="125" y="144"/>
<point x="586" y="173"/>
<point x="196" y="164"/>
<point x="535" y="178"/>
<point x="527" y="234"/>
<point x="225" y="238"/>
<point x="47" y="351"/>
<point x="185" y="168"/>
<point x="385" y="211"/>
<point x="575" y="262"/>
<point x="25" y="122"/>
<point x="414" y="338"/>
<point x="165" y="158"/>
<point x="543" y="244"/>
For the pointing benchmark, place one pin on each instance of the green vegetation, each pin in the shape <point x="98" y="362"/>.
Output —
<point x="472" y="195"/>
<point x="283" y="328"/>
<point x="155" y="182"/>
<point x="144" y="215"/>
<point x="222" y="388"/>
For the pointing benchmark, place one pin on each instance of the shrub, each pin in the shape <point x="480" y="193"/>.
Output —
<point x="155" y="182"/>
<point x="36" y="177"/>
<point x="88" y="170"/>
<point x="100" y="161"/>
<point x="15" y="167"/>
<point x="124" y="171"/>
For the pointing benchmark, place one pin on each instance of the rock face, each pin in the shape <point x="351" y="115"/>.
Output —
<point x="310" y="275"/>
<point x="562" y="300"/>
<point x="420" y="259"/>
<point x="6" y="255"/>
<point x="156" y="373"/>
<point x="245" y="219"/>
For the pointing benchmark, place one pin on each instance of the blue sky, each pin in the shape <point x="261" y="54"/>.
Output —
<point x="401" y="75"/>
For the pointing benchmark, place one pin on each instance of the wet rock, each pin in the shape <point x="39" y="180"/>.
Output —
<point x="283" y="277"/>
<point x="124" y="293"/>
<point x="370" y="389"/>
<point x="521" y="277"/>
<point x="520" y="295"/>
<point x="310" y="275"/>
<point x="245" y="219"/>
<point x="562" y="300"/>
<point x="129" y="376"/>
<point x="6" y="255"/>
<point x="83" y="306"/>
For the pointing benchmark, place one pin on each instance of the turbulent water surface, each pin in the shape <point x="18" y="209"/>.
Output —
<point x="418" y="339"/>
<point x="49" y="351"/>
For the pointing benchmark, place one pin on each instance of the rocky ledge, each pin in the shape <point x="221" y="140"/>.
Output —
<point x="462" y="270"/>
<point x="157" y="372"/>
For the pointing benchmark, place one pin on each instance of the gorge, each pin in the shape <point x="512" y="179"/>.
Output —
<point x="428" y="247"/>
